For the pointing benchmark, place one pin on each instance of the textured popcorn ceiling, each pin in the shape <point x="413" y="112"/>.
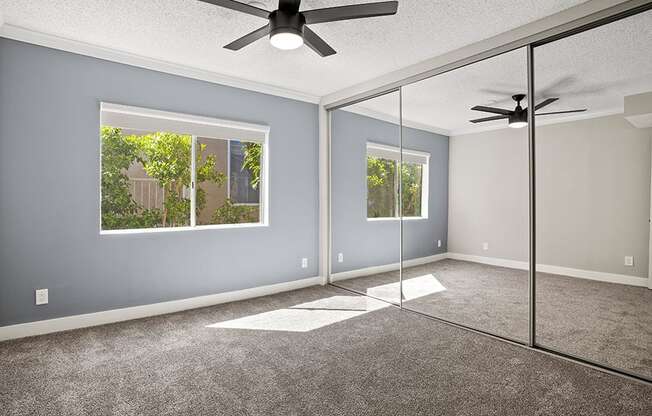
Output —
<point x="594" y="70"/>
<point x="192" y="33"/>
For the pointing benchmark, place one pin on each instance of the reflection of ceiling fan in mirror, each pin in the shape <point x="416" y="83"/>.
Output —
<point x="517" y="118"/>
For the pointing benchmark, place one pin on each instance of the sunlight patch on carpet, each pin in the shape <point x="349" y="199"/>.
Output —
<point x="413" y="288"/>
<point x="306" y="316"/>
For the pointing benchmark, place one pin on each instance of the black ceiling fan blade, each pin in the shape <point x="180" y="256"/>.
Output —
<point x="355" y="11"/>
<point x="561" y="112"/>
<point x="239" y="7"/>
<point x="545" y="103"/>
<point x="316" y="43"/>
<point x="480" y="120"/>
<point x="492" y="110"/>
<point x="291" y="6"/>
<point x="248" y="38"/>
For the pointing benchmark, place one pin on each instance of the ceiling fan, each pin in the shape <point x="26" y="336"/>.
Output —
<point x="517" y="118"/>
<point x="287" y="28"/>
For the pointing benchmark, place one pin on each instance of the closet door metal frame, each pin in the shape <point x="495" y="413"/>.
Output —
<point x="604" y="17"/>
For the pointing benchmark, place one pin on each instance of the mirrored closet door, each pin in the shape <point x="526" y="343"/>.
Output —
<point x="593" y="133"/>
<point x="436" y="186"/>
<point x="365" y="222"/>
<point x="465" y="197"/>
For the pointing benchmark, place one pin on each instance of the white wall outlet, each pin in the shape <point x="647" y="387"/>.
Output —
<point x="438" y="243"/>
<point x="340" y="257"/>
<point x="629" y="260"/>
<point x="41" y="296"/>
<point x="485" y="246"/>
<point x="304" y="263"/>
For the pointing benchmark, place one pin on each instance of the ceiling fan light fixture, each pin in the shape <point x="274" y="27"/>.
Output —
<point x="286" y="30"/>
<point x="286" y="40"/>
<point x="517" y="124"/>
<point x="518" y="119"/>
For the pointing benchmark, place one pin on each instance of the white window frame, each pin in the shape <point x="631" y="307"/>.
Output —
<point x="388" y="152"/>
<point x="196" y="126"/>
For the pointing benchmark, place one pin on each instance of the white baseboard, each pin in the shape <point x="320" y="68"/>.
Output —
<point x="494" y="261"/>
<point x="559" y="270"/>
<point x="623" y="279"/>
<point x="142" y="311"/>
<point x="367" y="271"/>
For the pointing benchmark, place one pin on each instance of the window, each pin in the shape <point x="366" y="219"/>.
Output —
<point x="242" y="182"/>
<point x="161" y="170"/>
<point x="383" y="182"/>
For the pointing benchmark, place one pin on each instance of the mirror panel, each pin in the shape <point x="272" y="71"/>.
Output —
<point x="593" y="195"/>
<point x="476" y="196"/>
<point x="365" y="224"/>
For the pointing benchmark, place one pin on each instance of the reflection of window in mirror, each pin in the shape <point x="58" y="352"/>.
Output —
<point x="384" y="175"/>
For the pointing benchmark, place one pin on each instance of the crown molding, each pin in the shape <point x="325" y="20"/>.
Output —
<point x="395" y="120"/>
<point x="22" y="34"/>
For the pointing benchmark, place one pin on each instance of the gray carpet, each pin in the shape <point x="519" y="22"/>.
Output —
<point x="604" y="322"/>
<point x="379" y="361"/>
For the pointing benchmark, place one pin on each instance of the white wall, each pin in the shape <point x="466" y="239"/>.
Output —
<point x="488" y="194"/>
<point x="593" y="194"/>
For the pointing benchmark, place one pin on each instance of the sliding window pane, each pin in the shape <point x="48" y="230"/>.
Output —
<point x="382" y="187"/>
<point x="228" y="181"/>
<point x="412" y="186"/>
<point x="145" y="179"/>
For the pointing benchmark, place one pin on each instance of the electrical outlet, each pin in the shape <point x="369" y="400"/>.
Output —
<point x="304" y="263"/>
<point x="629" y="260"/>
<point x="438" y="243"/>
<point x="340" y="257"/>
<point x="41" y="296"/>
<point x="485" y="246"/>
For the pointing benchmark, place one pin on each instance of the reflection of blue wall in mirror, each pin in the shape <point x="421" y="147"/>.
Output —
<point x="375" y="243"/>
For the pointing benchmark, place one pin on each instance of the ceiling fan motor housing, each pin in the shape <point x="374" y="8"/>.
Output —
<point x="519" y="116"/>
<point x="285" y="22"/>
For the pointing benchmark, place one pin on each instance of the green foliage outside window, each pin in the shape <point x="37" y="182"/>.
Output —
<point x="411" y="180"/>
<point x="165" y="157"/>
<point x="119" y="210"/>
<point x="382" y="188"/>
<point x="230" y="213"/>
<point x="253" y="153"/>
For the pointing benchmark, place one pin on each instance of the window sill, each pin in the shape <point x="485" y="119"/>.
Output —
<point x="396" y="219"/>
<point x="182" y="229"/>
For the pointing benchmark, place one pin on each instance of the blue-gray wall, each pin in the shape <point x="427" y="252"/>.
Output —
<point x="49" y="191"/>
<point x="372" y="243"/>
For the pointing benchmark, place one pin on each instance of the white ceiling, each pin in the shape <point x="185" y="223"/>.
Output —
<point x="192" y="33"/>
<point x="594" y="70"/>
